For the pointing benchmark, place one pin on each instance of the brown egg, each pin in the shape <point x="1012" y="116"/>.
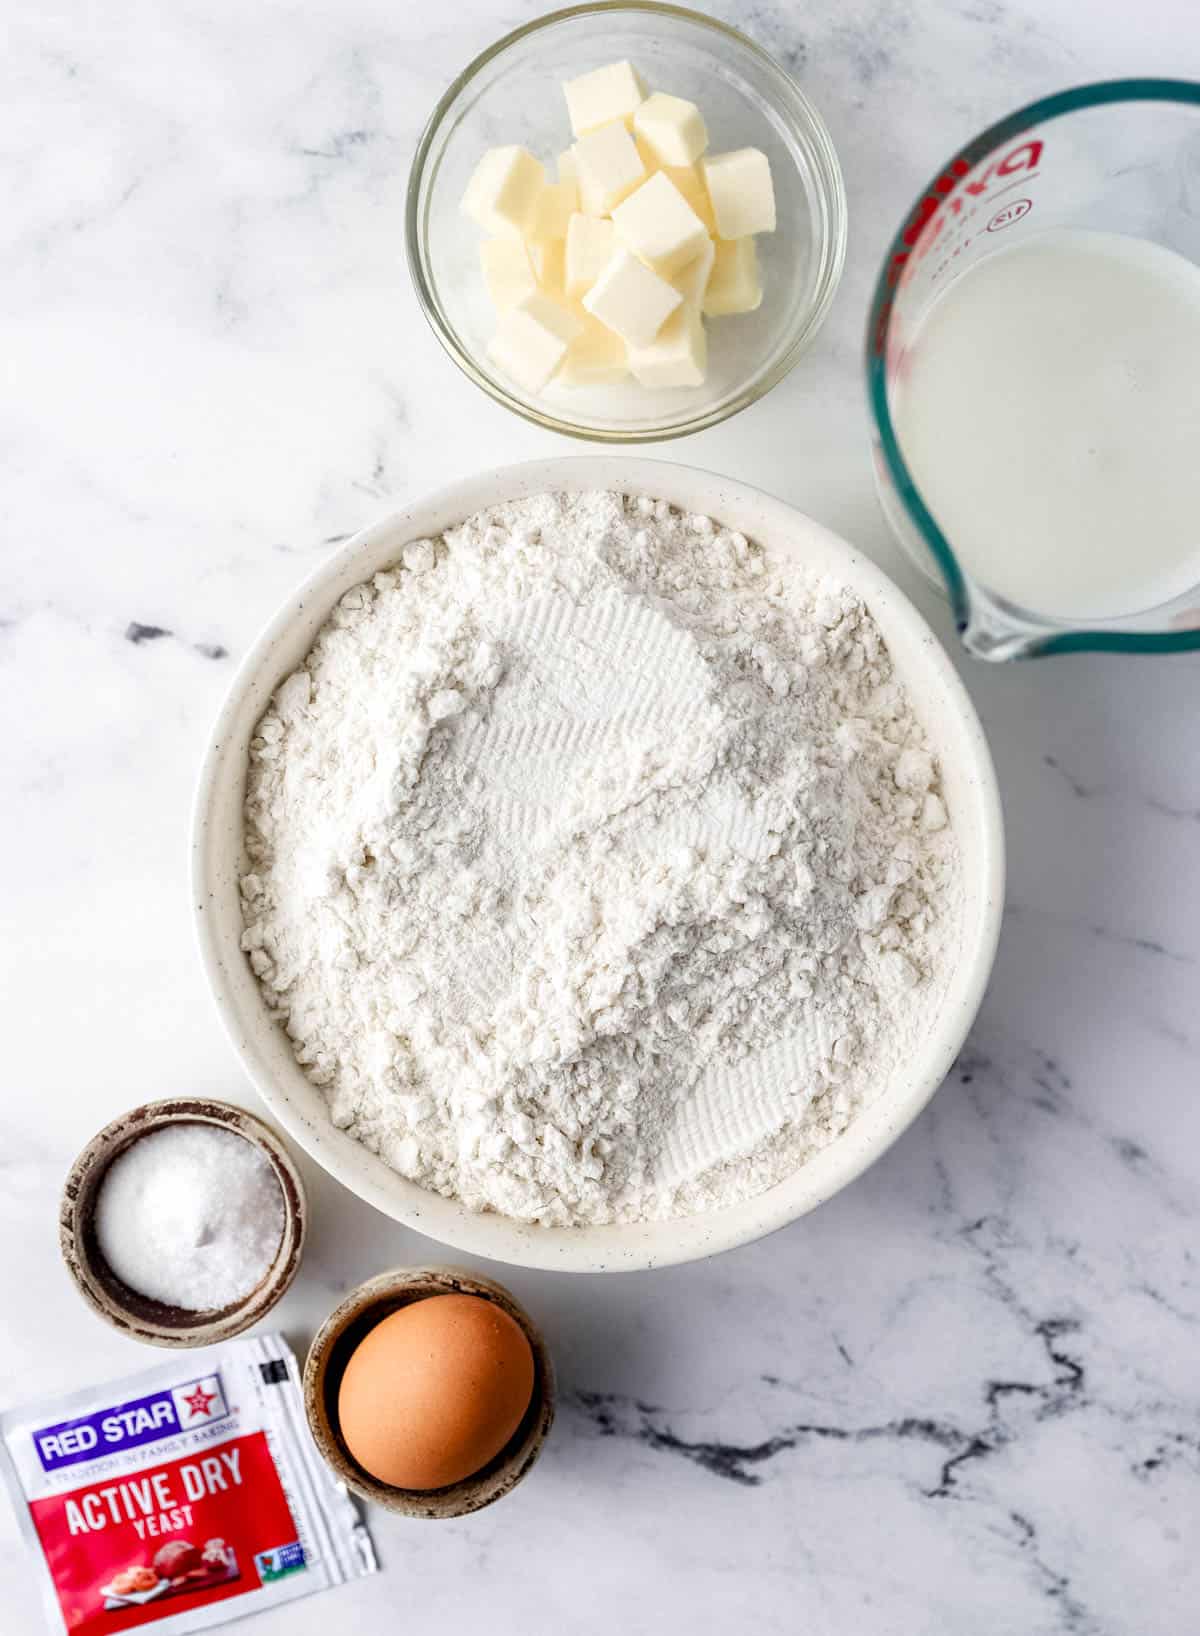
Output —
<point x="435" y="1391"/>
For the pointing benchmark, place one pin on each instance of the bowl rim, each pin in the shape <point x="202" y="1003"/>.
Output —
<point x="623" y="1247"/>
<point x="389" y="1292"/>
<point x="830" y="182"/>
<point x="141" y="1317"/>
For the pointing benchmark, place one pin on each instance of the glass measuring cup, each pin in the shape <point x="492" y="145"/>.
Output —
<point x="1121" y="157"/>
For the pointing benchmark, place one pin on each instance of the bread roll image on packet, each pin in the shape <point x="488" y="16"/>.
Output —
<point x="184" y="1496"/>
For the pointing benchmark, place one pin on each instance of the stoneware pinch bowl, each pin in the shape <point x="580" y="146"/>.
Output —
<point x="341" y="1332"/>
<point x="136" y="1315"/>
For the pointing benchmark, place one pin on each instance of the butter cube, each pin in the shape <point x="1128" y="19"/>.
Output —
<point x="595" y="356"/>
<point x="672" y="128"/>
<point x="739" y="185"/>
<point x="631" y="299"/>
<point x="532" y="340"/>
<point x="734" y="283"/>
<point x="609" y="168"/>
<point x="567" y="170"/>
<point x="556" y="204"/>
<point x="646" y="154"/>
<point x="590" y="245"/>
<point x="548" y="257"/>
<point x="594" y="99"/>
<point x="678" y="355"/>
<point x="507" y="272"/>
<point x="659" y="226"/>
<point x="692" y="281"/>
<point x="502" y="195"/>
<point x="591" y="198"/>
<point x="690" y="183"/>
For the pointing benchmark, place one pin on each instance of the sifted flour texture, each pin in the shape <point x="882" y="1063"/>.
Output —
<point x="598" y="865"/>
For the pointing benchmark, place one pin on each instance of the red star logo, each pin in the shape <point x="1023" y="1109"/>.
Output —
<point x="198" y="1401"/>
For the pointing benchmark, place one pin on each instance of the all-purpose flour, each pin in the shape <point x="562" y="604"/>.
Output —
<point x="599" y="869"/>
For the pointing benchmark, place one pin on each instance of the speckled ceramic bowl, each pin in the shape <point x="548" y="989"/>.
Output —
<point x="349" y="1323"/>
<point x="218" y="859"/>
<point x="154" y="1321"/>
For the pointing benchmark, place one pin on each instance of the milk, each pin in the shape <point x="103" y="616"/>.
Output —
<point x="1048" y="408"/>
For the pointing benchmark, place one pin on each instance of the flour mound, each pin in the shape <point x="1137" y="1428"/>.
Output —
<point x="599" y="868"/>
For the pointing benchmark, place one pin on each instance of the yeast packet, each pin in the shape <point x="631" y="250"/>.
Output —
<point x="182" y="1497"/>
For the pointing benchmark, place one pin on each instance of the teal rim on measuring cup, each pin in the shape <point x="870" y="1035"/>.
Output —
<point x="1113" y="170"/>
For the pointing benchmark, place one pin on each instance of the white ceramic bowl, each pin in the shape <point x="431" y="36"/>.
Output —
<point x="217" y="860"/>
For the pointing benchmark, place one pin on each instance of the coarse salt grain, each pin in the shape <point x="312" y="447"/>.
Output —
<point x="191" y="1215"/>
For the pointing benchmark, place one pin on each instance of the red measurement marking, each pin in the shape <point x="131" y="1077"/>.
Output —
<point x="1009" y="214"/>
<point x="918" y="230"/>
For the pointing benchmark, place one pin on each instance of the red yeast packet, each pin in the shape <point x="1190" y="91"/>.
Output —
<point x="180" y="1497"/>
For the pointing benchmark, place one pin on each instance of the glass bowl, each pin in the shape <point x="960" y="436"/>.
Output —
<point x="513" y="94"/>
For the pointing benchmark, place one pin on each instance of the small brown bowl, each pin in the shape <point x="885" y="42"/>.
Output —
<point x="137" y="1315"/>
<point x="346" y="1326"/>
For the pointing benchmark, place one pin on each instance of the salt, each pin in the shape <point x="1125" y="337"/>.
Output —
<point x="191" y="1215"/>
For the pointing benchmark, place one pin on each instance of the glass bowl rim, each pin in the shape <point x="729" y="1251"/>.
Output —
<point x="1054" y="638"/>
<point x="801" y="115"/>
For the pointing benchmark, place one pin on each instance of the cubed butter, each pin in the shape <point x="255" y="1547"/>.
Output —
<point x="631" y="299"/>
<point x="688" y="180"/>
<point x="739" y="185"/>
<point x="733" y="285"/>
<point x="611" y="269"/>
<point x="590" y="245"/>
<point x="672" y="128"/>
<point x="549" y="264"/>
<point x="659" y="226"/>
<point x="595" y="356"/>
<point x="532" y="340"/>
<point x="507" y="271"/>
<point x="609" y="166"/>
<point x="502" y="195"/>
<point x="613" y="92"/>
<point x="557" y="202"/>
<point x="678" y="355"/>
<point x="692" y="281"/>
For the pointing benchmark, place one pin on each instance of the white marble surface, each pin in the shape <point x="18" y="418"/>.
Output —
<point x="963" y="1396"/>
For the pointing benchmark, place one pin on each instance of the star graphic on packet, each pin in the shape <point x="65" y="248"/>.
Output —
<point x="199" y="1401"/>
